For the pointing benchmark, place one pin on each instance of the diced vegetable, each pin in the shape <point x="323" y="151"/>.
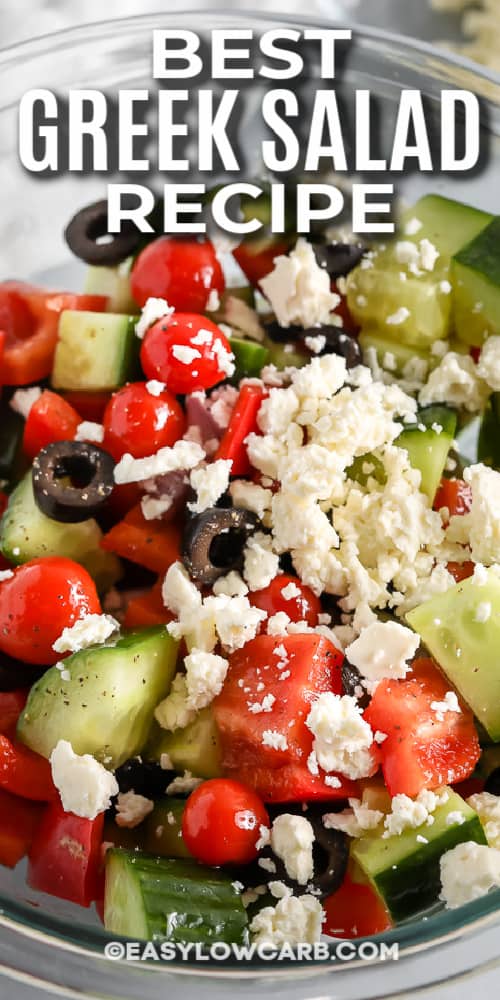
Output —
<point x="355" y="910"/>
<point x="95" y="351"/>
<point x="163" y="829"/>
<point x="114" y="283"/>
<point x="19" y="821"/>
<point x="25" y="773"/>
<point x="249" y="358"/>
<point x="476" y="286"/>
<point x="66" y="858"/>
<point x="428" y="443"/>
<point x="11" y="706"/>
<point x="51" y="418"/>
<point x="196" y="748"/>
<point x="242" y="423"/>
<point x="153" y="544"/>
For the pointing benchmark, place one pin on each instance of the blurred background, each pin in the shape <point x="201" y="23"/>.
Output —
<point x="471" y="27"/>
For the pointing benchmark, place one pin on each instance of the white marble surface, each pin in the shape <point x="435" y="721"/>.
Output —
<point x="24" y="19"/>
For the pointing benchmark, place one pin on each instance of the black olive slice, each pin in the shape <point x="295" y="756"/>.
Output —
<point x="352" y="682"/>
<point x="337" y="342"/>
<point x="282" y="334"/>
<point x="144" y="777"/>
<point x="339" y="258"/>
<point x="492" y="784"/>
<point x="85" y="235"/>
<point x="90" y="472"/>
<point x="214" y="540"/>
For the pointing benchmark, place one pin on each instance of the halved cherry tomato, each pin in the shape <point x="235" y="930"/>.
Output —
<point x="11" y="706"/>
<point x="29" y="316"/>
<point x="421" y="749"/>
<point x="454" y="494"/>
<point x="355" y="910"/>
<point x="153" y="544"/>
<point x="148" y="609"/>
<point x="293" y="783"/>
<point x="187" y="351"/>
<point x="51" y="418"/>
<point x="290" y="671"/>
<point x="19" y="821"/>
<point x="301" y="605"/>
<point x="139" y="423"/>
<point x="256" y="257"/>
<point x="25" y="773"/>
<point x="220" y="822"/>
<point x="43" y="597"/>
<point x="65" y="859"/>
<point x="183" y="272"/>
<point x="242" y="423"/>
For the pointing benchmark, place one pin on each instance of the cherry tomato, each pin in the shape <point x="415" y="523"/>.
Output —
<point x="187" y="352"/>
<point x="183" y="272"/>
<point x="42" y="598"/>
<point x="139" y="423"/>
<point x="301" y="606"/>
<point x="220" y="824"/>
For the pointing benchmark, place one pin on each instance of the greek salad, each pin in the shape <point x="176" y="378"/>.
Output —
<point x="250" y="578"/>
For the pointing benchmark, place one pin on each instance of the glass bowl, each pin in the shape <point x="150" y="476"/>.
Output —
<point x="43" y="940"/>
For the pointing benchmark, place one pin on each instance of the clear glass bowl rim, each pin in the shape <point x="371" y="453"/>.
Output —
<point x="440" y="927"/>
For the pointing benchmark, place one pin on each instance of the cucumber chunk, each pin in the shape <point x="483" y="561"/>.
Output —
<point x="163" y="829"/>
<point x="26" y="533"/>
<point x="401" y="353"/>
<point x="488" y="444"/>
<point x="405" y="871"/>
<point x="95" y="351"/>
<point x="114" y="282"/>
<point x="148" y="898"/>
<point x="428" y="443"/>
<point x="476" y="283"/>
<point x="466" y="649"/>
<point x="446" y="223"/>
<point x="195" y="748"/>
<point x="106" y="708"/>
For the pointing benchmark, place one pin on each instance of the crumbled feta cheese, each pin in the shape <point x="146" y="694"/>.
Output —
<point x="185" y="354"/>
<point x="355" y="820"/>
<point x="23" y="399"/>
<point x="484" y="517"/>
<point x="487" y="807"/>
<point x="455" y="818"/>
<point x="154" y="507"/>
<point x="488" y="366"/>
<point x="413" y="226"/>
<point x="483" y="612"/>
<point x="294" y="920"/>
<point x="315" y="344"/>
<point x="245" y="819"/>
<point x="292" y="839"/>
<point x="185" y="783"/>
<point x="154" y="387"/>
<point x="290" y="591"/>
<point x="182" y="455"/>
<point x="179" y="593"/>
<point x="154" y="310"/>
<point x="445" y="287"/>
<point x="166" y="762"/>
<point x="174" y="712"/>
<point x="448" y="704"/>
<point x="275" y="740"/>
<point x="468" y="871"/>
<point x="252" y="497"/>
<point x="85" y="786"/>
<point x="268" y="865"/>
<point x="91" y="630"/>
<point x="409" y="814"/>
<point x="231" y="585"/>
<point x="224" y="358"/>
<point x="264" y="838"/>
<point x="428" y="255"/>
<point x="299" y="289"/>
<point x="213" y="301"/>
<point x="421" y="840"/>
<point x="233" y="619"/>
<point x="6" y="574"/>
<point x="261" y="564"/>
<point x="455" y="381"/>
<point x="210" y="482"/>
<point x="342" y="738"/>
<point x="132" y="809"/>
<point x="205" y="675"/>
<point x="266" y="705"/>
<point x="383" y="650"/>
<point x="398" y="317"/>
<point x="90" y="431"/>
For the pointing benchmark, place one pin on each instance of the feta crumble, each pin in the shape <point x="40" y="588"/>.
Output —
<point x="153" y="310"/>
<point x="383" y="650"/>
<point x="90" y="431"/>
<point x="184" y="783"/>
<point x="132" y="809"/>
<point x="487" y="807"/>
<point x="185" y="354"/>
<point x="154" y="387"/>
<point x="468" y="871"/>
<point x="342" y="738"/>
<point x="154" y="507"/>
<point x="22" y="400"/>
<point x="91" y="630"/>
<point x="298" y="289"/>
<point x="182" y="455"/>
<point x="292" y="839"/>
<point x="294" y="920"/>
<point x="210" y="482"/>
<point x="398" y="317"/>
<point x="84" y="785"/>
<point x="274" y="739"/>
<point x="448" y="704"/>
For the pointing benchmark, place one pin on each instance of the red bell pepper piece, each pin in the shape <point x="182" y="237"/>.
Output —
<point x="11" y="706"/>
<point x="19" y="821"/>
<point x="256" y="257"/>
<point x="50" y="419"/>
<point x="454" y="494"/>
<point x="25" y="773"/>
<point x="355" y="910"/>
<point x="29" y="318"/>
<point x="153" y="544"/>
<point x="147" y="609"/>
<point x="460" y="571"/>
<point x="65" y="859"/>
<point x="292" y="783"/>
<point x="90" y="405"/>
<point x="243" y="421"/>
<point x="421" y="749"/>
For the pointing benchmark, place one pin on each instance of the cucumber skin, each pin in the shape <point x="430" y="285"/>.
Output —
<point x="151" y="898"/>
<point x="102" y="710"/>
<point x="95" y="352"/>
<point x="428" y="450"/>
<point x="196" y="748"/>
